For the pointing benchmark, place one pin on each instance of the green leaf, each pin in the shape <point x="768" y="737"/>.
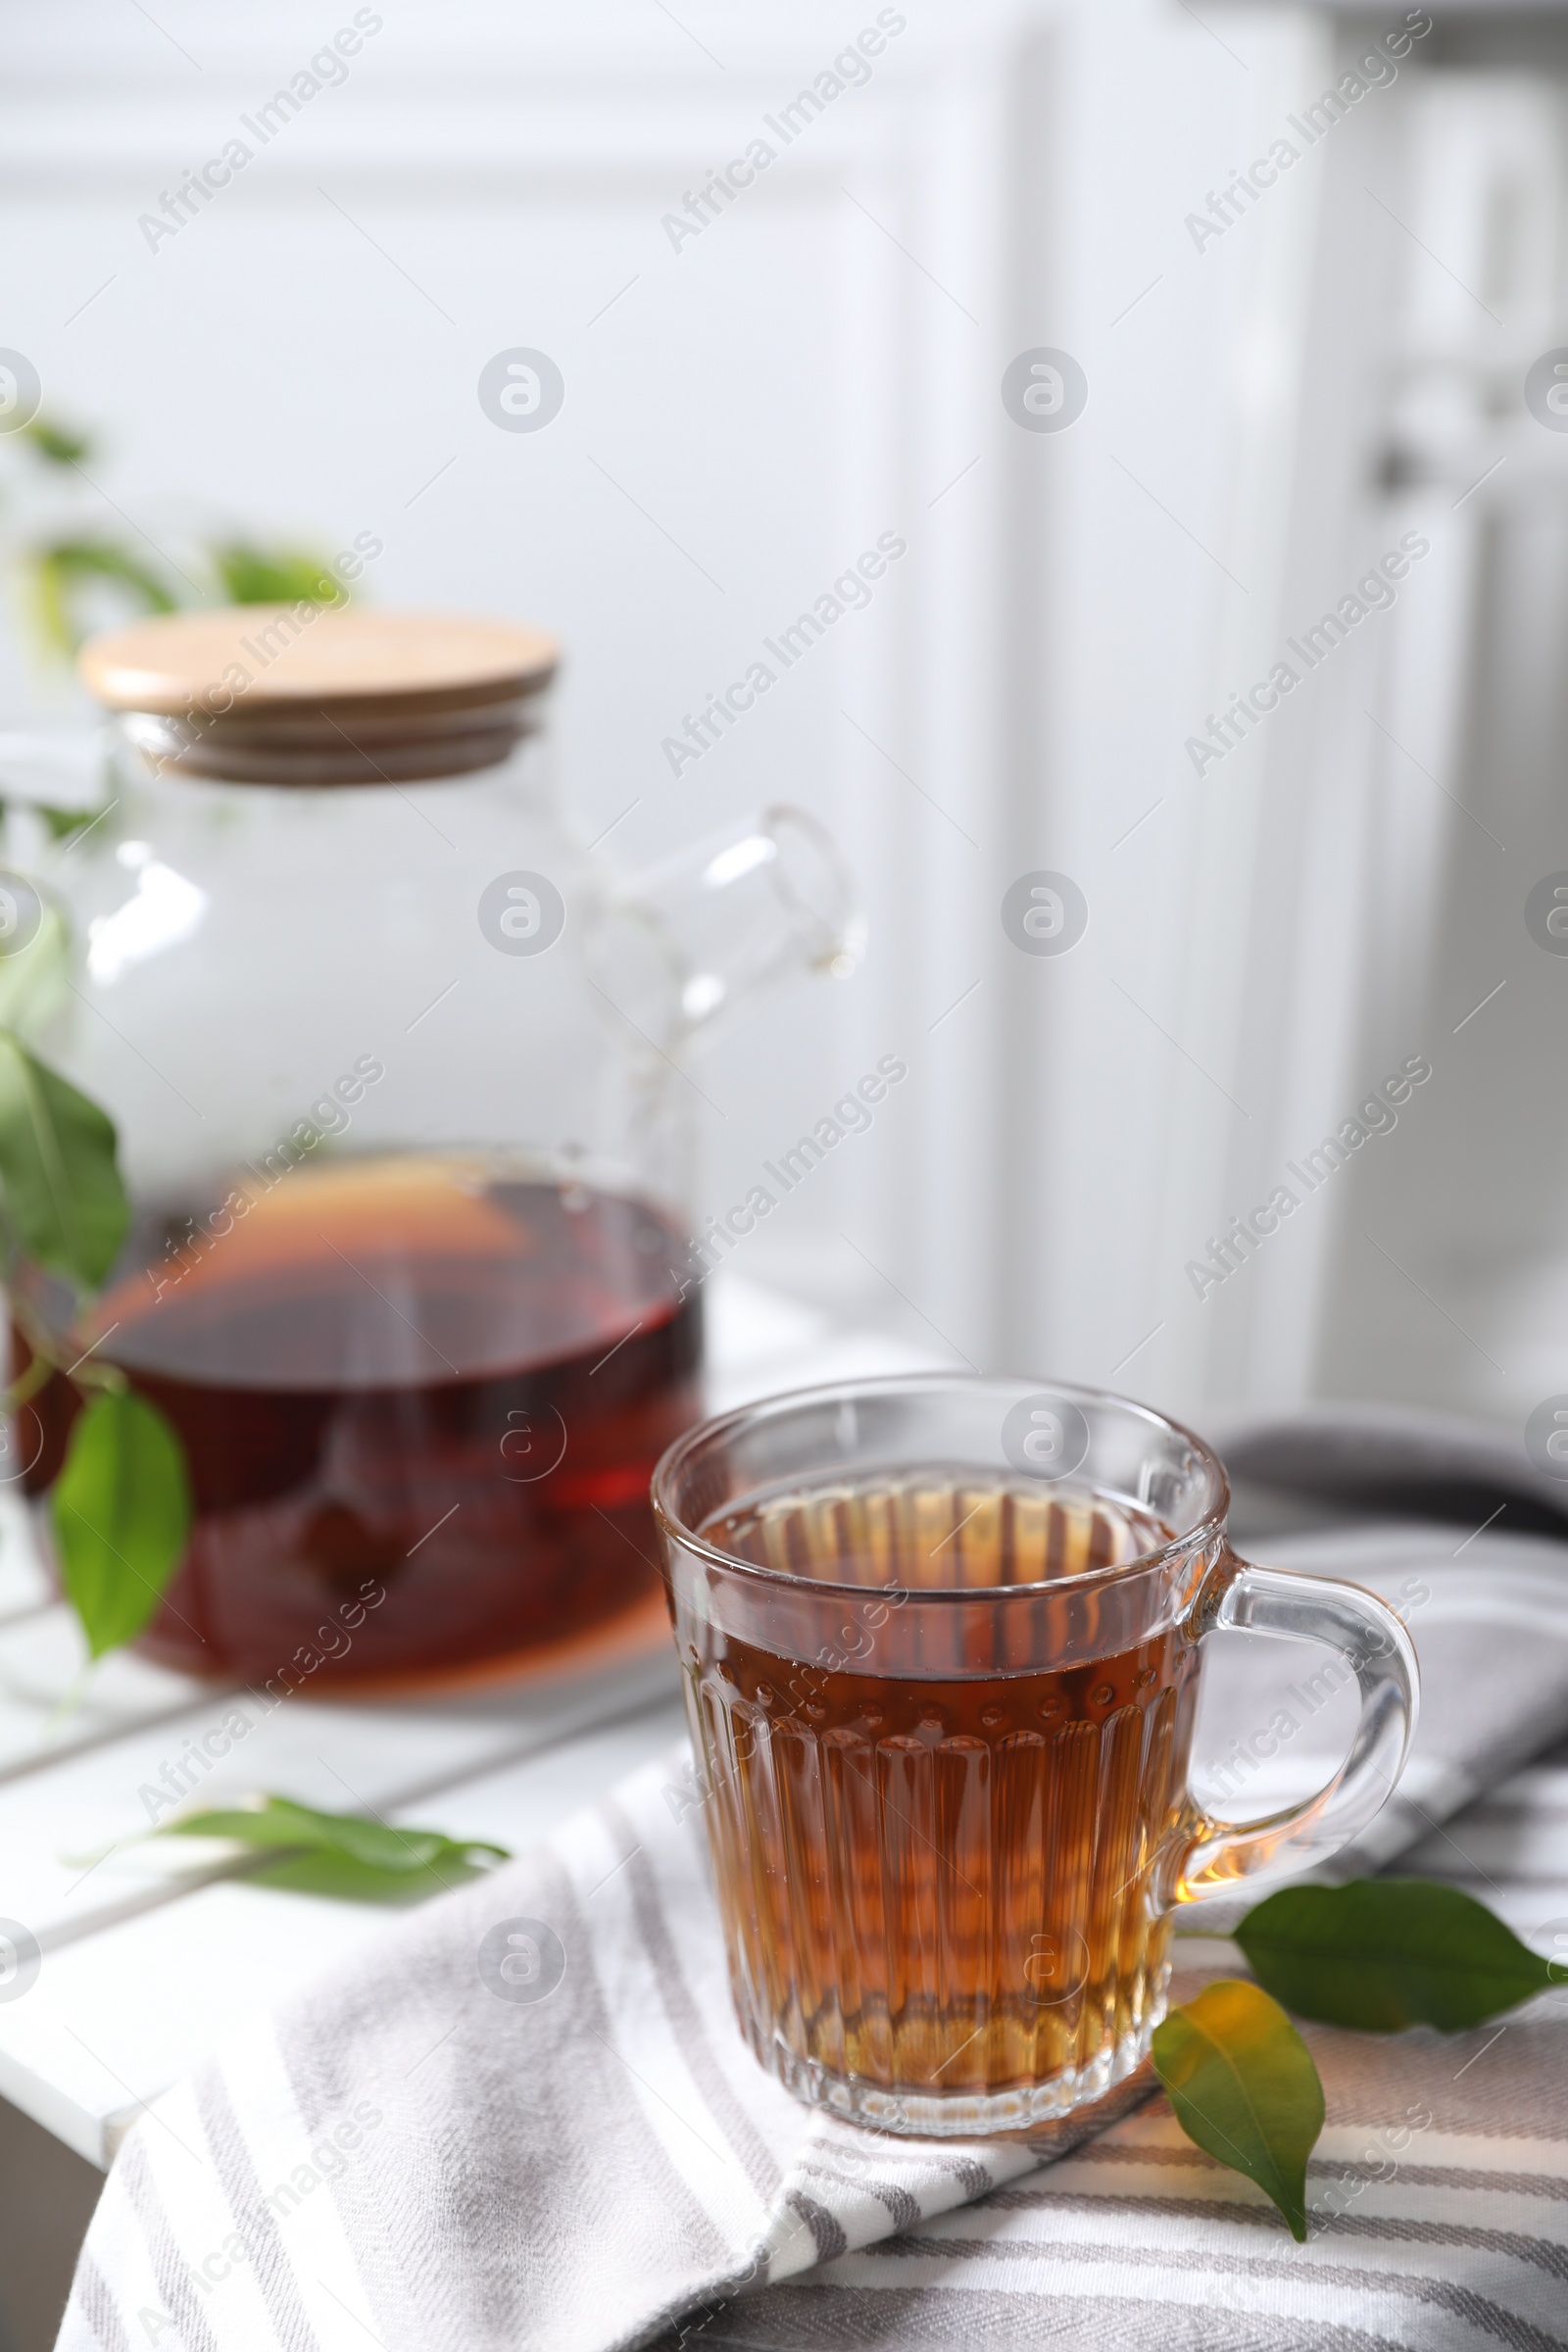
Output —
<point x="57" y="574"/>
<point x="32" y="978"/>
<point x="1382" y="1954"/>
<point x="61" y="824"/>
<point x="259" y="575"/>
<point x="342" y="1853"/>
<point x="53" y="442"/>
<point x="122" y="1513"/>
<point x="58" y="1173"/>
<point x="1244" y="2086"/>
<point x="346" y="1881"/>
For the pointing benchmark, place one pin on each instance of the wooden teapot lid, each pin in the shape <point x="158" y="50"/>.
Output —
<point x="312" y="693"/>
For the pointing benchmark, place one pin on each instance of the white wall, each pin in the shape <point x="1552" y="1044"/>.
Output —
<point x="820" y="366"/>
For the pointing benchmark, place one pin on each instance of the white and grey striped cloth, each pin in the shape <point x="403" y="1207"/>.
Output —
<point x="470" y="2144"/>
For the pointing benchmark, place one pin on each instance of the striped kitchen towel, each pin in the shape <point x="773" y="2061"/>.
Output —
<point x="432" y="2156"/>
<point x="1438" y="2217"/>
<point x="528" y="2117"/>
<point x="1437" y="2198"/>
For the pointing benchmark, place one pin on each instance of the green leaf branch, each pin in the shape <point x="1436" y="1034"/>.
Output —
<point x="1378" y="1955"/>
<point x="73" y="579"/>
<point x="122" y="1507"/>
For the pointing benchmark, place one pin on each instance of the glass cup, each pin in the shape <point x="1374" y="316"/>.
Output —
<point x="941" y="1642"/>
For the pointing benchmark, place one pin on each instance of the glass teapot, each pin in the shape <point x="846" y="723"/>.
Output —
<point x="399" y="1080"/>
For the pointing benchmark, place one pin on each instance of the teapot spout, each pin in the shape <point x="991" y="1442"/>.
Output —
<point x="683" y="953"/>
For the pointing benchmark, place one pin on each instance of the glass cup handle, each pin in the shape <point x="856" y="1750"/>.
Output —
<point x="1210" y="1855"/>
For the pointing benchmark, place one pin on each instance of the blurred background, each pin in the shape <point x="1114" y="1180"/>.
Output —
<point x="1287" y="378"/>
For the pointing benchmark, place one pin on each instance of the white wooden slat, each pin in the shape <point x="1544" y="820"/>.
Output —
<point x="55" y="1827"/>
<point x="41" y="1661"/>
<point x="113" y="2019"/>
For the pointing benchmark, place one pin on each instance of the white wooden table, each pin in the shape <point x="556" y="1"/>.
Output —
<point x="150" y="1956"/>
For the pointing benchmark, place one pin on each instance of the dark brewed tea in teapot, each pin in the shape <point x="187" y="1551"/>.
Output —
<point x="413" y="1376"/>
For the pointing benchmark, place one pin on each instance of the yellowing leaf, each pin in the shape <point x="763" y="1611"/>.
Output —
<point x="1243" y="2085"/>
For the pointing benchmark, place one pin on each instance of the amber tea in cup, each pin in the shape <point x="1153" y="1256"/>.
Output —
<point x="942" y="1643"/>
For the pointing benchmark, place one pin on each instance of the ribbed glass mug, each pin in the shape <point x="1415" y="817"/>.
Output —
<point x="941" y="1642"/>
